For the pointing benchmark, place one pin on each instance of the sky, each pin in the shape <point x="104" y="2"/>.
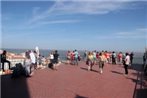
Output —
<point x="118" y="25"/>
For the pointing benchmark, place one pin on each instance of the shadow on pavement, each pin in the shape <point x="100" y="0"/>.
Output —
<point x="78" y="96"/>
<point x="117" y="72"/>
<point x="141" y="93"/>
<point x="90" y="70"/>
<point x="141" y="81"/>
<point x="84" y="68"/>
<point x="14" y="87"/>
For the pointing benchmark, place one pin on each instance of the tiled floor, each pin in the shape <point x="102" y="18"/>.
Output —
<point x="73" y="82"/>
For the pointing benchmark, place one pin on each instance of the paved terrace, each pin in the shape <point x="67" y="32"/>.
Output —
<point x="76" y="82"/>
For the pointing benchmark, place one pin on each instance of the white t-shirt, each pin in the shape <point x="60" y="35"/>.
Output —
<point x="27" y="63"/>
<point x="51" y="56"/>
<point x="127" y="60"/>
<point x="37" y="51"/>
<point x="33" y="58"/>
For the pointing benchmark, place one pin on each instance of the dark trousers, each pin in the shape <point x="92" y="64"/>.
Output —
<point x="145" y="69"/>
<point x="3" y="62"/>
<point x="126" y="69"/>
<point x="131" y="61"/>
<point x="113" y="61"/>
<point x="101" y="64"/>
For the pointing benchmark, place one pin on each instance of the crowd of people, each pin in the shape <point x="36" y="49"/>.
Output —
<point x="73" y="57"/>
<point x="100" y="58"/>
<point x="34" y="60"/>
<point x="37" y="61"/>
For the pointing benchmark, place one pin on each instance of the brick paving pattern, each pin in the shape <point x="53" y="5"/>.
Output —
<point x="73" y="82"/>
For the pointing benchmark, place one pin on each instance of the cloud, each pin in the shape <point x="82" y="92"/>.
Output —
<point x="142" y="30"/>
<point x="140" y="33"/>
<point x="35" y="10"/>
<point x="87" y="7"/>
<point x="73" y="7"/>
<point x="59" y="21"/>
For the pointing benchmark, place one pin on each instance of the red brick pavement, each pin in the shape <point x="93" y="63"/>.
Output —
<point x="72" y="82"/>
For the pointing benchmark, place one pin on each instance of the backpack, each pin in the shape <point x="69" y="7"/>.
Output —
<point x="17" y="70"/>
<point x="50" y="65"/>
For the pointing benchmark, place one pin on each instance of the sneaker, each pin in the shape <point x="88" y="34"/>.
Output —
<point x="125" y="75"/>
<point x="101" y="71"/>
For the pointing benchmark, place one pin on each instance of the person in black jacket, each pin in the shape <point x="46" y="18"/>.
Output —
<point x="56" y="57"/>
<point x="131" y="57"/>
<point x="4" y="59"/>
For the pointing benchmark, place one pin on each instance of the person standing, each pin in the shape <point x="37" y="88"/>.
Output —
<point x="76" y="55"/>
<point x="144" y="58"/>
<point x="131" y="57"/>
<point x="85" y="55"/>
<point x="120" y="57"/>
<point x="113" y="58"/>
<point x="126" y="64"/>
<point x="51" y="58"/>
<point x="33" y="62"/>
<point x="27" y="65"/>
<point x="56" y="57"/>
<point x="37" y="56"/>
<point x="144" y="63"/>
<point x="90" y="61"/>
<point x="68" y="57"/>
<point x="4" y="59"/>
<point x="94" y="57"/>
<point x="101" y="60"/>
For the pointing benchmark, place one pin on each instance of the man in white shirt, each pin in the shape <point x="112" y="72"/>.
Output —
<point x="32" y="57"/>
<point x="33" y="62"/>
<point x="127" y="62"/>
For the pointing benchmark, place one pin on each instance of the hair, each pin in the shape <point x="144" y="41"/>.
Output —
<point x="56" y="51"/>
<point x="127" y="54"/>
<point x="4" y="52"/>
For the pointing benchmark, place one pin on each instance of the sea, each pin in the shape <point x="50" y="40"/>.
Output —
<point x="138" y="56"/>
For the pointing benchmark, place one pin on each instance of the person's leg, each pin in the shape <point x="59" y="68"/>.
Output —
<point x="8" y="63"/>
<point x="120" y="60"/>
<point x="113" y="61"/>
<point x="102" y="64"/>
<point x="55" y="65"/>
<point x="91" y="65"/>
<point x="88" y="67"/>
<point x="28" y="70"/>
<point x="126" y="69"/>
<point x="3" y="66"/>
<point x="100" y="67"/>
<point x="32" y="68"/>
<point x="76" y="61"/>
<point x="145" y="69"/>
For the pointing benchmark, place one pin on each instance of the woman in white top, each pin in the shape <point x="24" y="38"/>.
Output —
<point x="51" y="56"/>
